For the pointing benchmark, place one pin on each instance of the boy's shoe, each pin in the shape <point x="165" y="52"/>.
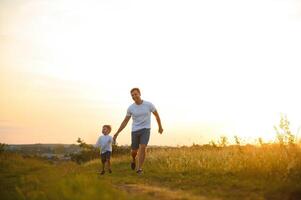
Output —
<point x="110" y="171"/>
<point x="139" y="171"/>
<point x="133" y="165"/>
<point x="102" y="172"/>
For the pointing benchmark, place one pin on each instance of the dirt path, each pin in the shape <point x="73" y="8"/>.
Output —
<point x="155" y="192"/>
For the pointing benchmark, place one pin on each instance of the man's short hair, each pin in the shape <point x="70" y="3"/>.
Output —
<point x="137" y="89"/>
<point x="108" y="127"/>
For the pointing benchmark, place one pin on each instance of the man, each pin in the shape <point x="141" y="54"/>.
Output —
<point x="141" y="111"/>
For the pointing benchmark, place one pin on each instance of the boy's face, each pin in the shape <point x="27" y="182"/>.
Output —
<point x="105" y="130"/>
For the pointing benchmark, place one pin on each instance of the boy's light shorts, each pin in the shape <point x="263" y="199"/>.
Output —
<point x="140" y="137"/>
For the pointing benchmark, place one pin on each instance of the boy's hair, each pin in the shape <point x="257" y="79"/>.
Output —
<point x="137" y="89"/>
<point x="108" y="127"/>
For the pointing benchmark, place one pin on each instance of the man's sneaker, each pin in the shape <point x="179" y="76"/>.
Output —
<point x="102" y="172"/>
<point x="139" y="171"/>
<point x="133" y="165"/>
<point x="110" y="171"/>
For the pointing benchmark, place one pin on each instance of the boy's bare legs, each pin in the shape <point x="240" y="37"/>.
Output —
<point x="109" y="166"/>
<point x="142" y="151"/>
<point x="103" y="167"/>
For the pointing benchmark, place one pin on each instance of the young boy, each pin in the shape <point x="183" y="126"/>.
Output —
<point x="105" y="144"/>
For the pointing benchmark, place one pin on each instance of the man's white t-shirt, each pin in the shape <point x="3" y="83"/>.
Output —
<point x="105" y="143"/>
<point x="141" y="115"/>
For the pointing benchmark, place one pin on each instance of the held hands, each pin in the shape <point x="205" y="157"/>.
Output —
<point x="115" y="137"/>
<point x="160" y="130"/>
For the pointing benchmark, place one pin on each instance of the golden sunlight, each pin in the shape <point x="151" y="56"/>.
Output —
<point x="67" y="68"/>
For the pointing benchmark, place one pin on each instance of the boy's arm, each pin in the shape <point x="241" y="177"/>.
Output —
<point x="158" y="121"/>
<point x="122" y="126"/>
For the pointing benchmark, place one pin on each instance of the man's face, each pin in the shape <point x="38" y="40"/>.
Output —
<point x="136" y="96"/>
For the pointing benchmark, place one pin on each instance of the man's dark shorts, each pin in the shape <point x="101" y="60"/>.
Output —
<point x="105" y="156"/>
<point x="140" y="137"/>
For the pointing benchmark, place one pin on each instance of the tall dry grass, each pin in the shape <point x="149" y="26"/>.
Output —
<point x="279" y="159"/>
<point x="267" y="160"/>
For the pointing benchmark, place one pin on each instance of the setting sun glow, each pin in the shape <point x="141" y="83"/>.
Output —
<point x="67" y="67"/>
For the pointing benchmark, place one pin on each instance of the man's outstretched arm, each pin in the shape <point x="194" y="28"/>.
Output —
<point x="122" y="126"/>
<point x="158" y="121"/>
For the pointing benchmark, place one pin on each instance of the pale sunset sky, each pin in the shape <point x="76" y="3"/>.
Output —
<point x="211" y="68"/>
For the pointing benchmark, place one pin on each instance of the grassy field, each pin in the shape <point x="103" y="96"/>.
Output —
<point x="198" y="172"/>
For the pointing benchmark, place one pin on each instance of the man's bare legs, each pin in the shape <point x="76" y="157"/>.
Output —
<point x="134" y="155"/>
<point x="141" y="156"/>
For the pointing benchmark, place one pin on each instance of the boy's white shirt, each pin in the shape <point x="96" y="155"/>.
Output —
<point x="105" y="143"/>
